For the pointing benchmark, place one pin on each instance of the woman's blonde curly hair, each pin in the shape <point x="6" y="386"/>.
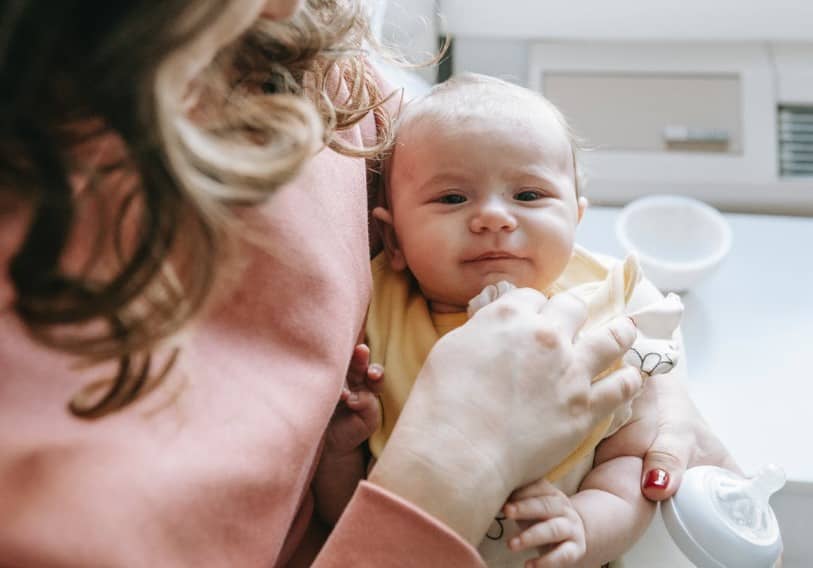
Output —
<point x="80" y="71"/>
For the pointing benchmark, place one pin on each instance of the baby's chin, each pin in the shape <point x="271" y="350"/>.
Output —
<point x="541" y="284"/>
<point x="459" y="300"/>
<point x="523" y="281"/>
<point x="496" y="278"/>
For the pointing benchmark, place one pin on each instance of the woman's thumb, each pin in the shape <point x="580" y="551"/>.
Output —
<point x="664" y="464"/>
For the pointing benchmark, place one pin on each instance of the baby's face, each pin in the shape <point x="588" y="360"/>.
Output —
<point x="491" y="199"/>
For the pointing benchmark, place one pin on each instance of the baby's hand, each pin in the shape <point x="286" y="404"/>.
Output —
<point x="549" y="521"/>
<point x="358" y="413"/>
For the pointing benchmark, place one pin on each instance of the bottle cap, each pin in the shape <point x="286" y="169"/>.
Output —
<point x="720" y="519"/>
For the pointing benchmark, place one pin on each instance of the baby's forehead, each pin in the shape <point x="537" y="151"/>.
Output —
<point x="474" y="105"/>
<point x="468" y="111"/>
<point x="475" y="118"/>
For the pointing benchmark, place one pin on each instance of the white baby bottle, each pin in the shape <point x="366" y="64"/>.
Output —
<point x="720" y="519"/>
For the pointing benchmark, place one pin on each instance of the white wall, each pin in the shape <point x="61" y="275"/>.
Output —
<point x="411" y="25"/>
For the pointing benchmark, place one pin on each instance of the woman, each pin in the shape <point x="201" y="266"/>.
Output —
<point x="135" y="136"/>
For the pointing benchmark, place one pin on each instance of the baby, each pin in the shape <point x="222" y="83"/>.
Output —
<point x="482" y="195"/>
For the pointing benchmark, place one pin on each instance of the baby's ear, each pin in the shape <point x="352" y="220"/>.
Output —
<point x="384" y="216"/>
<point x="582" y="204"/>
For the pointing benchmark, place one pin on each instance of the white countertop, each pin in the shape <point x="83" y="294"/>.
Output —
<point x="748" y="330"/>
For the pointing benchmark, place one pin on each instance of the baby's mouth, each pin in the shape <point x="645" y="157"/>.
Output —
<point x="493" y="255"/>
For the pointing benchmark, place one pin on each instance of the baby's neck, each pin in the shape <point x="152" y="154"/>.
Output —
<point x="444" y="308"/>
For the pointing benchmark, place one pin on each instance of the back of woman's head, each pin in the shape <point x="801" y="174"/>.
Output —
<point x="85" y="96"/>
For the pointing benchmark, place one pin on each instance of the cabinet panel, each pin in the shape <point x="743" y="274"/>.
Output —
<point x="654" y="112"/>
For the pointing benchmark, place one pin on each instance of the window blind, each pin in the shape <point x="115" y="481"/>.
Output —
<point x="795" y="141"/>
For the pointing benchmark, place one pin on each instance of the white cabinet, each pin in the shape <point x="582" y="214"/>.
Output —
<point x="647" y="20"/>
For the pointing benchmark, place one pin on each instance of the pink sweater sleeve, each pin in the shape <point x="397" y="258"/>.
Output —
<point x="380" y="529"/>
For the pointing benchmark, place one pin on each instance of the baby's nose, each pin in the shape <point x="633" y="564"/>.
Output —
<point x="493" y="217"/>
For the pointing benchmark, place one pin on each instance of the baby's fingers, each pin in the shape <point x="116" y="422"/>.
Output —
<point x="539" y="488"/>
<point x="552" y="531"/>
<point x="365" y="404"/>
<point x="359" y="364"/>
<point x="537" y="508"/>
<point x="566" y="554"/>
<point x="375" y="376"/>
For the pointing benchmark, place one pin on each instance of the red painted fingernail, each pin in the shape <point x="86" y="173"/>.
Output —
<point x="657" y="478"/>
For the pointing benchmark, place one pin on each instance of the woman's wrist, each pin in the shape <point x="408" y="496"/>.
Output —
<point x="445" y="491"/>
<point x="440" y="471"/>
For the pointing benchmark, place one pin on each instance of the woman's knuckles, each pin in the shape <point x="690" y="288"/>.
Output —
<point x="580" y="408"/>
<point x="507" y="310"/>
<point x="548" y="338"/>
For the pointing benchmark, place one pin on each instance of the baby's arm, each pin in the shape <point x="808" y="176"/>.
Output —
<point x="344" y="459"/>
<point x="614" y="511"/>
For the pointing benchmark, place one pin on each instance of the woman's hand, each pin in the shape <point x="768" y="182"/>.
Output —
<point x="683" y="439"/>
<point x="501" y="401"/>
<point x="666" y="427"/>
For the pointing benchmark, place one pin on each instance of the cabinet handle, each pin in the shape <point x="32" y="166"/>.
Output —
<point x="685" y="134"/>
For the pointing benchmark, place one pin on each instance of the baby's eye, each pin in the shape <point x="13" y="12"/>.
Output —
<point x="527" y="195"/>
<point x="452" y="199"/>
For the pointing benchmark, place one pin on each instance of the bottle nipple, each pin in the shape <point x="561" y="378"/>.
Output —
<point x="769" y="480"/>
<point x="744" y="502"/>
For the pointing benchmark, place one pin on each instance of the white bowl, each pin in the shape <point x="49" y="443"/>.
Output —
<point x="678" y="240"/>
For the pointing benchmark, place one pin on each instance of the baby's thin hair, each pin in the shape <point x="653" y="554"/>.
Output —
<point x="470" y="95"/>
